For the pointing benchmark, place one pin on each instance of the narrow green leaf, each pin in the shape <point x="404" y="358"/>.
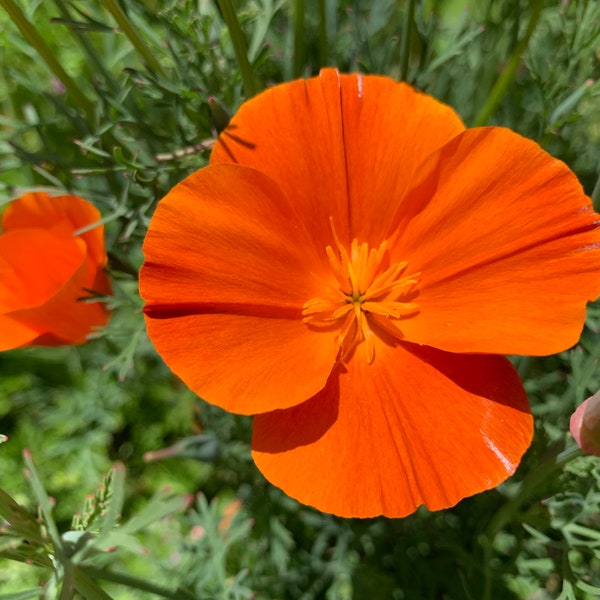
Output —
<point x="87" y="587"/>
<point x="47" y="54"/>
<point x="127" y="28"/>
<point x="24" y="595"/>
<point x="239" y="46"/>
<point x="508" y="74"/>
<point x="299" y="37"/>
<point x="43" y="501"/>
<point x="407" y="27"/>
<point x="158" y="507"/>
<point x="20" y="521"/>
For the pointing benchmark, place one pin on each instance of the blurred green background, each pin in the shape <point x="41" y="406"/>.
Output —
<point x="117" y="102"/>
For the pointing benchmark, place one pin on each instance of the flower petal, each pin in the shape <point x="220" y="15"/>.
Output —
<point x="244" y="364"/>
<point x="339" y="145"/>
<point x="417" y="426"/>
<point x="14" y="334"/>
<point x="34" y="266"/>
<point x="507" y="244"/>
<point x="228" y="267"/>
<point x="227" y="236"/>
<point x="65" y="214"/>
<point x="294" y="133"/>
<point x="389" y="130"/>
<point x="45" y="281"/>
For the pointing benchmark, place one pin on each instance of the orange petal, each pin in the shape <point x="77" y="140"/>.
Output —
<point x="228" y="267"/>
<point x="226" y="235"/>
<point x="389" y="130"/>
<point x="417" y="426"/>
<point x="44" y="280"/>
<point x="34" y="266"/>
<point x="65" y="214"/>
<point x="14" y="334"/>
<point x="507" y="244"/>
<point x="70" y="316"/>
<point x="245" y="364"/>
<point x="339" y="145"/>
<point x="294" y="133"/>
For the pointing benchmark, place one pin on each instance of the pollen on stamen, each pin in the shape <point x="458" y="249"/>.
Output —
<point x="368" y="295"/>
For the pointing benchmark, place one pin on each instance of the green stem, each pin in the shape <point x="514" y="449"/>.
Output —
<point x="127" y="28"/>
<point x="136" y="583"/>
<point x="407" y="28"/>
<point x="90" y="51"/>
<point x="528" y="486"/>
<point x="299" y="44"/>
<point x="508" y="74"/>
<point x="510" y="510"/>
<point x="47" y="55"/>
<point x="596" y="195"/>
<point x="323" y="38"/>
<point x="239" y="46"/>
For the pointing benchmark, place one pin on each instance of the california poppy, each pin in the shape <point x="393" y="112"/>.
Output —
<point x="349" y="269"/>
<point x="49" y="271"/>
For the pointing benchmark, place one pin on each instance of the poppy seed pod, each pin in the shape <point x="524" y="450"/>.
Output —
<point x="585" y="425"/>
<point x="49" y="272"/>
<point x="350" y="269"/>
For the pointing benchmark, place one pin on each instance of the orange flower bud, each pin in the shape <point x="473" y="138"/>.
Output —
<point x="585" y="425"/>
<point x="49" y="271"/>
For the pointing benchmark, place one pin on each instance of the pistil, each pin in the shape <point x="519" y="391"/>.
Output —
<point x="368" y="297"/>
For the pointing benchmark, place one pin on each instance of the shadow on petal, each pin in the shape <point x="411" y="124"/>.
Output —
<point x="303" y="424"/>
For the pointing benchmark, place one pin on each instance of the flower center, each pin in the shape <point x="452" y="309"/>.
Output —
<point x="369" y="295"/>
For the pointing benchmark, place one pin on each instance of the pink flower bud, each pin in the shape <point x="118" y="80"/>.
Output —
<point x="585" y="425"/>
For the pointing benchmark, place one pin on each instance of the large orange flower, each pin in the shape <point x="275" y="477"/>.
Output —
<point x="47" y="271"/>
<point x="349" y="268"/>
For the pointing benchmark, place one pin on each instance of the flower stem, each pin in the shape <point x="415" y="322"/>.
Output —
<point x="407" y="28"/>
<point x="299" y="46"/>
<point x="528" y="486"/>
<point x="48" y="56"/>
<point x="127" y="28"/>
<point x="239" y="46"/>
<point x="136" y="583"/>
<point x="508" y="74"/>
<point x="596" y="195"/>
<point x="508" y="511"/>
<point x="323" y="39"/>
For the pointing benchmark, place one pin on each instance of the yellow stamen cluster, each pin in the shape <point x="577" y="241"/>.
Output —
<point x="367" y="295"/>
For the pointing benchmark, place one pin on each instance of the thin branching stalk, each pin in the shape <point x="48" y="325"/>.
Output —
<point x="508" y="74"/>
<point x="48" y="56"/>
<point x="407" y="27"/>
<point x="93" y="56"/>
<point x="299" y="41"/>
<point x="127" y="28"/>
<point x="239" y="46"/>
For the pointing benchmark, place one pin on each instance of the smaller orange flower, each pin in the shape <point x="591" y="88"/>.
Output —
<point x="48" y="270"/>
<point x="585" y="425"/>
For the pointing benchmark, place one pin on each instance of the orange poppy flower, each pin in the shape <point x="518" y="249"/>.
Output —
<point x="349" y="268"/>
<point x="47" y="271"/>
